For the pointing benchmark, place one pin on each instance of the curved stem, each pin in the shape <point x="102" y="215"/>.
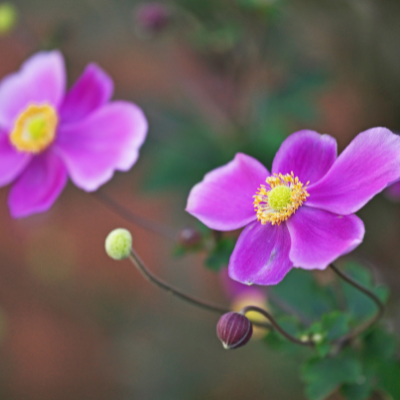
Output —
<point x="367" y="292"/>
<point x="151" y="226"/>
<point x="139" y="264"/>
<point x="275" y="324"/>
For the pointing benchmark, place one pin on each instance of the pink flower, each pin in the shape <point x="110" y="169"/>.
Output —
<point x="303" y="214"/>
<point x="48" y="134"/>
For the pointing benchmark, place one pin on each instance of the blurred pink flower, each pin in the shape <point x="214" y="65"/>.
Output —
<point x="48" y="135"/>
<point x="152" y="16"/>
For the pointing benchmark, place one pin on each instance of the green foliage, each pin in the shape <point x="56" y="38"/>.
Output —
<point x="360" y="306"/>
<point x="367" y="364"/>
<point x="358" y="370"/>
<point x="324" y="375"/>
<point x="220" y="254"/>
<point x="194" y="148"/>
<point x="302" y="293"/>
<point x="331" y="327"/>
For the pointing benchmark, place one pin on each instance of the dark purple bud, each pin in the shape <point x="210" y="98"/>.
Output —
<point x="234" y="330"/>
<point x="152" y="16"/>
<point x="189" y="237"/>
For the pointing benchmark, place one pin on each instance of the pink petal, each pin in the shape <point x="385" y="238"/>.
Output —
<point x="368" y="164"/>
<point x="320" y="237"/>
<point x="38" y="186"/>
<point x="261" y="255"/>
<point x="12" y="162"/>
<point x="92" y="90"/>
<point x="307" y="154"/>
<point x="41" y="79"/>
<point x="235" y="289"/>
<point x="107" y="140"/>
<point x="223" y="200"/>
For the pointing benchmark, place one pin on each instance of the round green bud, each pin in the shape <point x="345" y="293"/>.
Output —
<point x="118" y="244"/>
<point x="317" y="338"/>
<point x="8" y="17"/>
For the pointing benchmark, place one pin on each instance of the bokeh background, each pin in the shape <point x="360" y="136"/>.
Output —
<point x="218" y="77"/>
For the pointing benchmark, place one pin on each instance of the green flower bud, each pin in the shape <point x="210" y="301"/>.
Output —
<point x="118" y="244"/>
<point x="8" y="17"/>
<point x="317" y="338"/>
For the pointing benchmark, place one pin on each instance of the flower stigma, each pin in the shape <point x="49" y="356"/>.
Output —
<point x="35" y="128"/>
<point x="276" y="205"/>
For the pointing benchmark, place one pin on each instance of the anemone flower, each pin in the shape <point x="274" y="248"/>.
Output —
<point x="48" y="134"/>
<point x="301" y="215"/>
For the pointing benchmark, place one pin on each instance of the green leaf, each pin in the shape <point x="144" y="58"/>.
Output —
<point x="301" y="292"/>
<point x="358" y="391"/>
<point x="389" y="378"/>
<point x="358" y="304"/>
<point x="335" y="325"/>
<point x="324" y="376"/>
<point x="323" y="348"/>
<point x="380" y="344"/>
<point x="331" y="326"/>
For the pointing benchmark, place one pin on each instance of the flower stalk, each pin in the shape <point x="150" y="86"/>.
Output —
<point x="363" y="327"/>
<point x="341" y="342"/>
<point x="215" y="308"/>
<point x="150" y="226"/>
<point x="275" y="324"/>
<point x="149" y="276"/>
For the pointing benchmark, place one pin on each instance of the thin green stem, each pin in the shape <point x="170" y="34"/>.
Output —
<point x="139" y="264"/>
<point x="151" y="226"/>
<point x="381" y="308"/>
<point x="275" y="324"/>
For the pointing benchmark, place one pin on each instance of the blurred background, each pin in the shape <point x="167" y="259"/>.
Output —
<point x="214" y="77"/>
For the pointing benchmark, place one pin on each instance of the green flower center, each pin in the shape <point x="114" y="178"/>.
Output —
<point x="37" y="128"/>
<point x="279" y="197"/>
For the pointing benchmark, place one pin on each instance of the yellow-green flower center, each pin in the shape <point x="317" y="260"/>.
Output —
<point x="279" y="197"/>
<point x="285" y="196"/>
<point x="35" y="128"/>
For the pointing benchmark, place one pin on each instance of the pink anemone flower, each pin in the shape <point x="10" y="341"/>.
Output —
<point x="48" y="134"/>
<point x="301" y="215"/>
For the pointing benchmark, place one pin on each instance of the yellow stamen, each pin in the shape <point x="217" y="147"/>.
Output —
<point x="35" y="128"/>
<point x="287" y="194"/>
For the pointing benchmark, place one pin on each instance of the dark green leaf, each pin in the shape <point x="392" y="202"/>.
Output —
<point x="358" y="304"/>
<point x="358" y="391"/>
<point x="379" y="344"/>
<point x="389" y="378"/>
<point x="335" y="325"/>
<point x="302" y="293"/>
<point x="324" y="376"/>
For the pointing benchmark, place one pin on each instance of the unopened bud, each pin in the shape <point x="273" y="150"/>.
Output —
<point x="8" y="17"/>
<point x="118" y="244"/>
<point x="234" y="330"/>
<point x="189" y="237"/>
<point x="317" y="338"/>
<point x="152" y="17"/>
